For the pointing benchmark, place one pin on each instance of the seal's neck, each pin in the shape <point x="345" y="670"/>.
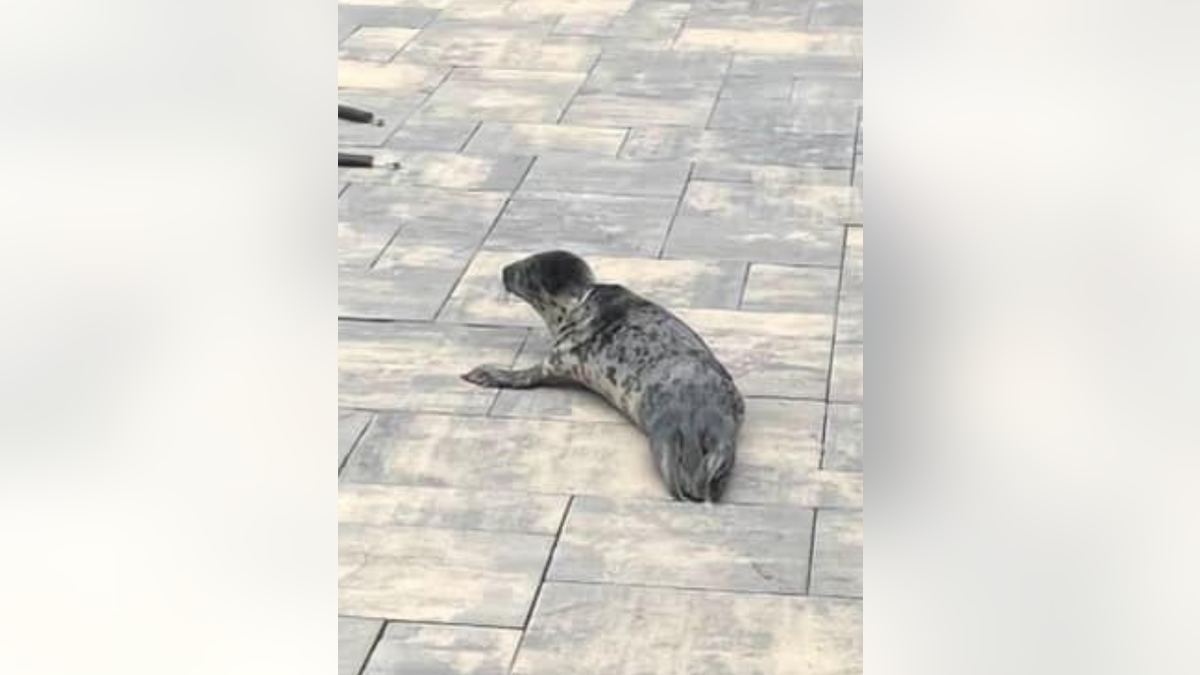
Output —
<point x="561" y="316"/>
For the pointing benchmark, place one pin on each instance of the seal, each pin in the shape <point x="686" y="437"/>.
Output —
<point x="639" y="357"/>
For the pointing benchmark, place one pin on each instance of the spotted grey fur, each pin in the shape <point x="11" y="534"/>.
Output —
<point x="638" y="356"/>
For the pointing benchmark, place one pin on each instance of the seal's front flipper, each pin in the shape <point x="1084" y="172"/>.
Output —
<point x="500" y="378"/>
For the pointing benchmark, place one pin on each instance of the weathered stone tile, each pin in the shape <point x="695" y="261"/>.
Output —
<point x="800" y="225"/>
<point x="435" y="135"/>
<point x="585" y="224"/>
<point x="847" y="383"/>
<point x="448" y="170"/>
<point x="838" y="554"/>
<point x="731" y="548"/>
<point x="502" y="96"/>
<point x="844" y="437"/>
<point x="350" y="426"/>
<point x="819" y="90"/>
<point x="417" y="367"/>
<point x="600" y="630"/>
<point x="770" y="176"/>
<point x="525" y="45"/>
<point x="831" y="151"/>
<point x="424" y="649"/>
<point x="601" y="175"/>
<point x="800" y="290"/>
<point x="770" y="87"/>
<point x="410" y="283"/>
<point x="372" y="43"/>
<point x="431" y="215"/>
<point x="487" y="511"/>
<point x="351" y="15"/>
<point x="397" y="77"/>
<point x="557" y="8"/>
<point x="802" y="67"/>
<point x="839" y="14"/>
<point x="629" y="110"/>
<point x="355" y="639"/>
<point x="480" y="296"/>
<point x="850" y="303"/>
<point x="652" y="20"/>
<point x="777" y="456"/>
<point x="785" y="42"/>
<point x="445" y="576"/>
<point x="824" y="117"/>
<point x="640" y="88"/>
<point x="360" y="243"/>
<point x="537" y="139"/>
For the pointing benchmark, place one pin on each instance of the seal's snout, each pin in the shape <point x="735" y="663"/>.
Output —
<point x="508" y="275"/>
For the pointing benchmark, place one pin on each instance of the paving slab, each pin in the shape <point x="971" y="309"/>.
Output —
<point x="436" y="135"/>
<point x="375" y="43"/>
<point x="798" y="225"/>
<point x="838" y="554"/>
<point x="447" y="170"/>
<point x="502" y="96"/>
<point x="497" y="138"/>
<point x="778" y="454"/>
<point x="414" y="366"/>
<point x="409" y="283"/>
<point x="356" y="637"/>
<point x="739" y="146"/>
<point x="782" y="288"/>
<point x="569" y="173"/>
<point x="644" y="543"/>
<point x="850" y="303"/>
<point x="424" y="649"/>
<point x="600" y="630"/>
<point x="846" y="385"/>
<point x="586" y="224"/>
<point x="844" y="437"/>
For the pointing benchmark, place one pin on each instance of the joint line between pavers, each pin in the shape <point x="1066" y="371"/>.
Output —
<point x="687" y="184"/>
<point x="537" y="596"/>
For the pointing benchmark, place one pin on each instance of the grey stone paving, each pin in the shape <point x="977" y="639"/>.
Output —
<point x="706" y="153"/>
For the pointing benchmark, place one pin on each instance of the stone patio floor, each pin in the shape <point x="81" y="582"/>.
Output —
<point x="705" y="153"/>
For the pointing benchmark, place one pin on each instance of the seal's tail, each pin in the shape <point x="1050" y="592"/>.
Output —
<point x="697" y="459"/>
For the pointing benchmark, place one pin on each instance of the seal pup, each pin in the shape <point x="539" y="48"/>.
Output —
<point x="638" y="356"/>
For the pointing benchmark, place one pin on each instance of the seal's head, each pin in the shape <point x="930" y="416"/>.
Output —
<point x="552" y="283"/>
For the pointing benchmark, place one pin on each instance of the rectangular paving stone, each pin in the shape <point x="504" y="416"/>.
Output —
<point x="600" y="175"/>
<point x="436" y="215"/>
<point x="820" y="66"/>
<point x="373" y="43"/>
<point x="770" y="176"/>
<point x="502" y="96"/>
<point x="850" y="304"/>
<point x="844" y="437"/>
<point x="418" y="367"/>
<point x="360" y="243"/>
<point x="437" y="575"/>
<point x="424" y="649"/>
<point x="825" y="117"/>
<point x="356" y="637"/>
<point x="798" y="225"/>
<point x="480" y="296"/>
<point x="583" y="223"/>
<point x="350" y="426"/>
<point x="436" y="135"/>
<point x="738" y="146"/>
<point x="786" y="42"/>
<point x="650" y="20"/>
<point x="643" y="88"/>
<point x="838" y="554"/>
<point x="841" y="14"/>
<point x="352" y="15"/>
<point x="497" y="138"/>
<point x="801" y="290"/>
<point x="731" y="548"/>
<point x="777" y="456"/>
<point x="484" y="510"/>
<point x="600" y="630"/>
<point x="447" y="170"/>
<point x="828" y="89"/>
<point x="846" y="385"/>
<point x="410" y="283"/>
<point x="394" y="78"/>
